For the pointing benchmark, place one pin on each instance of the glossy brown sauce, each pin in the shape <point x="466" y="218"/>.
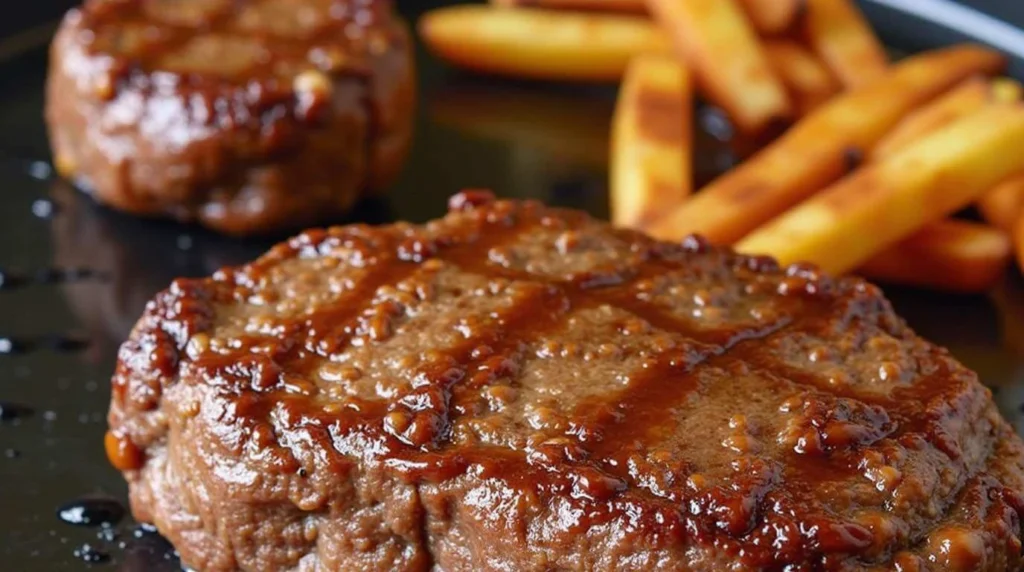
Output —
<point x="271" y="37"/>
<point x="765" y="512"/>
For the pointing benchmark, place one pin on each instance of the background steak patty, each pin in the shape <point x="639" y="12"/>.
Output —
<point x="247" y="116"/>
<point x="515" y="387"/>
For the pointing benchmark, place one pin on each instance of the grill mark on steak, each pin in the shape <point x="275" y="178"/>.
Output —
<point x="650" y="462"/>
<point x="172" y="37"/>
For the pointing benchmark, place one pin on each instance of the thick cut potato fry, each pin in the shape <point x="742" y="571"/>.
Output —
<point x="1004" y="204"/>
<point x="883" y="203"/>
<point x="808" y="80"/>
<point x="723" y="51"/>
<point x="773" y="17"/>
<point x="844" y="40"/>
<point x="814" y="153"/>
<point x="969" y="96"/>
<point x="608" y="5"/>
<point x="652" y="141"/>
<point x="1006" y="89"/>
<point x="950" y="255"/>
<point x="540" y="44"/>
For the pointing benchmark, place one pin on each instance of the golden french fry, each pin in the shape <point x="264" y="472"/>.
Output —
<point x="652" y="140"/>
<point x="951" y="255"/>
<point x="607" y="5"/>
<point x="723" y="51"/>
<point x="969" y="96"/>
<point x="772" y="17"/>
<point x="844" y="226"/>
<point x="808" y="80"/>
<point x="815" y="152"/>
<point x="844" y="40"/>
<point x="540" y="44"/>
<point x="1004" y="204"/>
<point x="1006" y="89"/>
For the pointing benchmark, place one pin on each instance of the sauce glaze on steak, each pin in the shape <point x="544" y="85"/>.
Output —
<point x="516" y="387"/>
<point x="219" y="110"/>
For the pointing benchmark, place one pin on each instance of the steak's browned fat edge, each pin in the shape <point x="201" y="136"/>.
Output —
<point x="246" y="116"/>
<point x="521" y="387"/>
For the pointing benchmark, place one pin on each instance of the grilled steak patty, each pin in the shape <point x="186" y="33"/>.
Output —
<point x="244" y="115"/>
<point x="515" y="387"/>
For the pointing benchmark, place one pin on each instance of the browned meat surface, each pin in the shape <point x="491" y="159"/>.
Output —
<point x="246" y="116"/>
<point x="516" y="387"/>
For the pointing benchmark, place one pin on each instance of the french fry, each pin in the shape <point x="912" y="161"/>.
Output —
<point x="808" y="80"/>
<point x="885" y="202"/>
<point x="652" y="141"/>
<point x="719" y="43"/>
<point x="1004" y="204"/>
<point x="607" y="5"/>
<point x="540" y="44"/>
<point x="773" y="17"/>
<point x="1006" y="89"/>
<point x="814" y="153"/>
<point x="842" y="37"/>
<point x="950" y="255"/>
<point x="969" y="96"/>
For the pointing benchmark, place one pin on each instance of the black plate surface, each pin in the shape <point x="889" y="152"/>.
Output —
<point x="524" y="140"/>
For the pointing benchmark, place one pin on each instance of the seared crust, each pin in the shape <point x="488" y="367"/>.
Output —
<point x="515" y="387"/>
<point x="246" y="117"/>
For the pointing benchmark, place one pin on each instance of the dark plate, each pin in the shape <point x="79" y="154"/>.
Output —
<point x="524" y="140"/>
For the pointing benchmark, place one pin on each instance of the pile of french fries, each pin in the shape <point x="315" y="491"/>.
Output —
<point x="873" y="159"/>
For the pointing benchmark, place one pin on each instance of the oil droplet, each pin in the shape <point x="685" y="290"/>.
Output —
<point x="40" y="170"/>
<point x="44" y="208"/>
<point x="92" y="512"/>
<point x="89" y="553"/>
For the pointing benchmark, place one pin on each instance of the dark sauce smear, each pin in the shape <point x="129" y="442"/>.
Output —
<point x="11" y="279"/>
<point x="14" y="411"/>
<point x="144" y="550"/>
<point x="65" y="275"/>
<point x="92" y="512"/>
<point x="136" y="548"/>
<point x="60" y="343"/>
